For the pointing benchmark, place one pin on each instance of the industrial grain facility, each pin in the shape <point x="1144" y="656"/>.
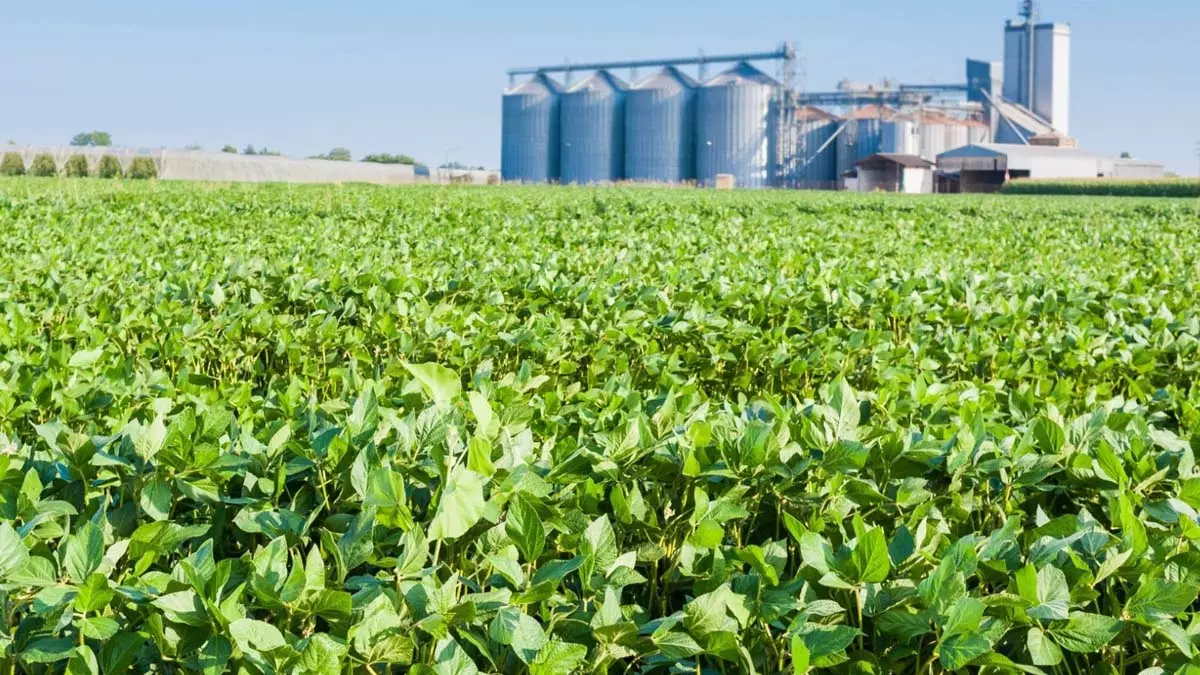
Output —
<point x="753" y="124"/>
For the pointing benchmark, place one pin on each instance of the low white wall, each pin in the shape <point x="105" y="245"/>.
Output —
<point x="222" y="166"/>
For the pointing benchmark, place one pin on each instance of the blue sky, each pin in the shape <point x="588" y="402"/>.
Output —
<point x="425" y="78"/>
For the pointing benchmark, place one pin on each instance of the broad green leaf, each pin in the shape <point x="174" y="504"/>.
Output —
<point x="1042" y="649"/>
<point x="183" y="607"/>
<point x="85" y="358"/>
<point x="869" y="562"/>
<point x="1053" y="595"/>
<point x="441" y="384"/>
<point x="524" y="527"/>
<point x="13" y="555"/>
<point x="1156" y="600"/>
<point x="251" y="634"/>
<point x="558" y="658"/>
<point x="1087" y="633"/>
<point x="958" y="650"/>
<point x="85" y="552"/>
<point x="460" y="505"/>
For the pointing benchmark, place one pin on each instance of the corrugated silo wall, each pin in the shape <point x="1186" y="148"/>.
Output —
<point x="860" y="140"/>
<point x="817" y="171"/>
<point x="592" y="136"/>
<point x="660" y="134"/>
<point x="529" y="144"/>
<point x="735" y="133"/>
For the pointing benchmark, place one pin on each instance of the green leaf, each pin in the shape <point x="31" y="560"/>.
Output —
<point x="120" y="652"/>
<point x="558" y="658"/>
<point x="85" y="358"/>
<point x="451" y="659"/>
<point x="676" y="646"/>
<point x="254" y="635"/>
<point x="94" y="594"/>
<point x="1157" y="600"/>
<point x="47" y="650"/>
<point x="148" y="439"/>
<point x="322" y="655"/>
<point x="525" y="529"/>
<point x="519" y="630"/>
<point x="83" y="662"/>
<point x="460" y="505"/>
<point x="1042" y="649"/>
<point x="869" y="562"/>
<point x="85" y="552"/>
<point x="183" y="607"/>
<point x="823" y="640"/>
<point x="214" y="656"/>
<point x="441" y="384"/>
<point x="958" y="650"/>
<point x="1087" y="633"/>
<point x="1053" y="594"/>
<point x="13" y="555"/>
<point x="801" y="657"/>
<point x="155" y="499"/>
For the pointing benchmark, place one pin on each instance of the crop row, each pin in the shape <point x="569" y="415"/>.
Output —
<point x="1167" y="187"/>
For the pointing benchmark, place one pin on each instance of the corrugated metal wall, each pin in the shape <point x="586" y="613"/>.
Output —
<point x="861" y="139"/>
<point x="529" y="140"/>
<point x="814" y="128"/>
<point x="592" y="131"/>
<point x="734" y="127"/>
<point x="660" y="128"/>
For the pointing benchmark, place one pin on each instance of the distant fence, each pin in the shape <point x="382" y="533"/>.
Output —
<point x="222" y="166"/>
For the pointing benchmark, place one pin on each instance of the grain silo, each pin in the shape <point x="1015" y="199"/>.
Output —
<point x="593" y="125"/>
<point x="660" y="128"/>
<point x="735" y="131"/>
<point x="530" y="131"/>
<point x="863" y="135"/>
<point x="816" y="153"/>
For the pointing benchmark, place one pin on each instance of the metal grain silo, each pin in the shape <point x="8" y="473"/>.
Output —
<point x="660" y="128"/>
<point x="593" y="130"/>
<point x="863" y="135"/>
<point x="816" y="155"/>
<point x="529" y="137"/>
<point x="735" y="127"/>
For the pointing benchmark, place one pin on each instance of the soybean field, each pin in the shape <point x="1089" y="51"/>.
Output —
<point x="353" y="429"/>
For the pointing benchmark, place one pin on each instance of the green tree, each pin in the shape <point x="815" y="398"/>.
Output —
<point x="43" y="165"/>
<point x="386" y="158"/>
<point x="100" y="139"/>
<point x="12" y="165"/>
<point x="249" y="150"/>
<point x="108" y="167"/>
<point x="1126" y="155"/>
<point x="142" y="168"/>
<point x="339" y="155"/>
<point x="76" y="167"/>
<point x="229" y="149"/>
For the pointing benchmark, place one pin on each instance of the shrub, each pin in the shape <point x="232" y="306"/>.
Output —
<point x="142" y="168"/>
<point x="43" y="165"/>
<point x="12" y="164"/>
<point x="76" y="167"/>
<point x="108" y="167"/>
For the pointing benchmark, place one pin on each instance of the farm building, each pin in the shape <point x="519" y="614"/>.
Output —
<point x="889" y="172"/>
<point x="985" y="167"/>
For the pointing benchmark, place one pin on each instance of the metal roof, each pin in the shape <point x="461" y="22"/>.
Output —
<point x="742" y="72"/>
<point x="1049" y="161"/>
<point x="811" y="113"/>
<point x="909" y="161"/>
<point x="1013" y="151"/>
<point x="538" y="84"/>
<point x="601" y="80"/>
<point x="669" y="77"/>
<point x="870" y="112"/>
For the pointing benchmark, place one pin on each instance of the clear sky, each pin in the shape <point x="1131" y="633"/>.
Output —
<point x="303" y="76"/>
